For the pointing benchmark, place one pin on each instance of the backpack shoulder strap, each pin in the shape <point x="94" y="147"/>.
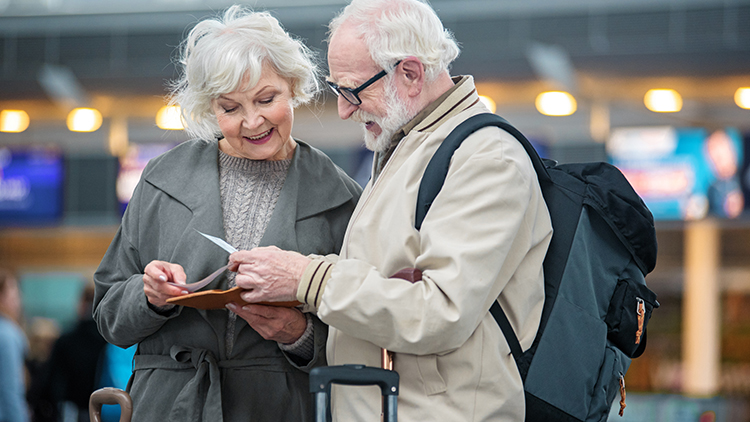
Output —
<point x="437" y="168"/>
<point x="434" y="177"/>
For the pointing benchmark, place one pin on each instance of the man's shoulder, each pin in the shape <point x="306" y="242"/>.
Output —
<point x="485" y="134"/>
<point x="491" y="142"/>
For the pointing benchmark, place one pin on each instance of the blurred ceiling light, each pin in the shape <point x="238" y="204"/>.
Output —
<point x="742" y="97"/>
<point x="488" y="102"/>
<point x="663" y="100"/>
<point x="84" y="120"/>
<point x="556" y="103"/>
<point x="169" y="118"/>
<point x="13" y="121"/>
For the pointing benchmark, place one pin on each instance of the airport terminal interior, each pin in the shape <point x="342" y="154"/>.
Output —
<point x="659" y="88"/>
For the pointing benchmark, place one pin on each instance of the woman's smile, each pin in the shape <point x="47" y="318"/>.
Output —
<point x="261" y="138"/>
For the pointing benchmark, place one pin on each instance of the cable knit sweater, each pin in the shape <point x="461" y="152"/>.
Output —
<point x="249" y="192"/>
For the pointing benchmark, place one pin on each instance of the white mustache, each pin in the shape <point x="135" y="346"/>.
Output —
<point x="360" y="116"/>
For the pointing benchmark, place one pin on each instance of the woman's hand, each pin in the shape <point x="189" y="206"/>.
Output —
<point x="155" y="278"/>
<point x="269" y="274"/>
<point x="283" y="325"/>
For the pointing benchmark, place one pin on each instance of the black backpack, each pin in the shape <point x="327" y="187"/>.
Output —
<point x="597" y="304"/>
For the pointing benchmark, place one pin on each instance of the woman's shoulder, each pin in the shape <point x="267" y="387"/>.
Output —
<point x="315" y="162"/>
<point x="184" y="154"/>
<point x="185" y="149"/>
<point x="309" y="152"/>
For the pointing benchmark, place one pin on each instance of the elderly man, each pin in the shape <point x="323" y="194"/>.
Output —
<point x="484" y="238"/>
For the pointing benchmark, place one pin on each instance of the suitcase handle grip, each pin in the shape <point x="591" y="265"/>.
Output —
<point x="109" y="395"/>
<point x="321" y="379"/>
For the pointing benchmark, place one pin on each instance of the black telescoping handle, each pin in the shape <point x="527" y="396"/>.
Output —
<point x="321" y="379"/>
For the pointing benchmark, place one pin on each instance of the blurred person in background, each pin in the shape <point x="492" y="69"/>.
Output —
<point x="247" y="180"/>
<point x="13" y="349"/>
<point x="725" y="196"/>
<point x="42" y="332"/>
<point x="61" y="392"/>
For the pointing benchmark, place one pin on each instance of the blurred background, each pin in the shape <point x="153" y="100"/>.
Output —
<point x="660" y="88"/>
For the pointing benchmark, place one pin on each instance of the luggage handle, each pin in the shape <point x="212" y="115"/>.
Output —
<point x="321" y="378"/>
<point x="109" y="395"/>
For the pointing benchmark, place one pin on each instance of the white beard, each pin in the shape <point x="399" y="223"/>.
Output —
<point x="398" y="113"/>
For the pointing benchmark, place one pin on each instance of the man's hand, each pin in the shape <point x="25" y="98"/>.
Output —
<point x="283" y="325"/>
<point x="155" y="278"/>
<point x="268" y="274"/>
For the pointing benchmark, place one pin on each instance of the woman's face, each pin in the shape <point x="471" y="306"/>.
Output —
<point x="257" y="123"/>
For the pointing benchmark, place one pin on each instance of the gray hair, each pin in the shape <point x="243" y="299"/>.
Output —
<point x="219" y="52"/>
<point x="396" y="29"/>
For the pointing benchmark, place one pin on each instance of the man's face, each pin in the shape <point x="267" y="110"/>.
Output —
<point x="382" y="111"/>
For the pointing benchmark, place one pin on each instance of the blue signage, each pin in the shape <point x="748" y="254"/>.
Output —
<point x="681" y="173"/>
<point x="31" y="186"/>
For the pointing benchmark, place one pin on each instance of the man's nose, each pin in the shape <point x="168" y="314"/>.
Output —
<point x="345" y="108"/>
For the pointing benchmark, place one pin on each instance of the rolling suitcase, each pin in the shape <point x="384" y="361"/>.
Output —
<point x="321" y="379"/>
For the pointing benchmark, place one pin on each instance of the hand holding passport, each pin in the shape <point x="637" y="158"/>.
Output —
<point x="217" y="299"/>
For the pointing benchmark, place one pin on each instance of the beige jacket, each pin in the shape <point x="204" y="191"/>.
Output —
<point x="484" y="239"/>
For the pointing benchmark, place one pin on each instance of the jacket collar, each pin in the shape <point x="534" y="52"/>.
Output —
<point x="462" y="96"/>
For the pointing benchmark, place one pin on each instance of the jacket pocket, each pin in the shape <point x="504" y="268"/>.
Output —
<point x="629" y="312"/>
<point x="432" y="381"/>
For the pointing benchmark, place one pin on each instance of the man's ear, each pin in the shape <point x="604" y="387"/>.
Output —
<point x="412" y="75"/>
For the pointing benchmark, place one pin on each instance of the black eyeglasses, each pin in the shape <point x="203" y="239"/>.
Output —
<point x="351" y="94"/>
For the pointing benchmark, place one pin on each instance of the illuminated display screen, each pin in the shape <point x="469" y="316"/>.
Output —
<point x="681" y="174"/>
<point x="31" y="186"/>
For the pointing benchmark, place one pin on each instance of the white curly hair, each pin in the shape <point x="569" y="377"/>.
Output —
<point x="220" y="52"/>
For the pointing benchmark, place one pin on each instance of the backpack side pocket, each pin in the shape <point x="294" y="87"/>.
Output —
<point x="628" y="315"/>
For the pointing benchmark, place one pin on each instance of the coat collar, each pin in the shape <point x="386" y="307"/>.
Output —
<point x="313" y="185"/>
<point x="462" y="96"/>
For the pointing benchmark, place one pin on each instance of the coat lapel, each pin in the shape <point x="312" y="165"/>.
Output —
<point x="201" y="194"/>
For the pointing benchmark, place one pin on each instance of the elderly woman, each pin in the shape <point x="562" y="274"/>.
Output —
<point x="246" y="180"/>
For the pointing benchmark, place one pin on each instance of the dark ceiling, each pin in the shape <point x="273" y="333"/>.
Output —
<point x="131" y="53"/>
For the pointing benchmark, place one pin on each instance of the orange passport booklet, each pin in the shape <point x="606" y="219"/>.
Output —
<point x="217" y="299"/>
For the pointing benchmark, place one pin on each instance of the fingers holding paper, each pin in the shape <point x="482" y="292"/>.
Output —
<point x="269" y="274"/>
<point x="155" y="286"/>
<point x="283" y="325"/>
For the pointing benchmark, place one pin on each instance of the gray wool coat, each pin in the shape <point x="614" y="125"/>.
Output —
<point x="181" y="369"/>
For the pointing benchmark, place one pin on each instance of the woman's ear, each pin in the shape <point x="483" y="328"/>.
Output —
<point x="412" y="75"/>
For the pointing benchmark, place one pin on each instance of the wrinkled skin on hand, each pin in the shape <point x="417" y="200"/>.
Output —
<point x="269" y="274"/>
<point x="283" y="325"/>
